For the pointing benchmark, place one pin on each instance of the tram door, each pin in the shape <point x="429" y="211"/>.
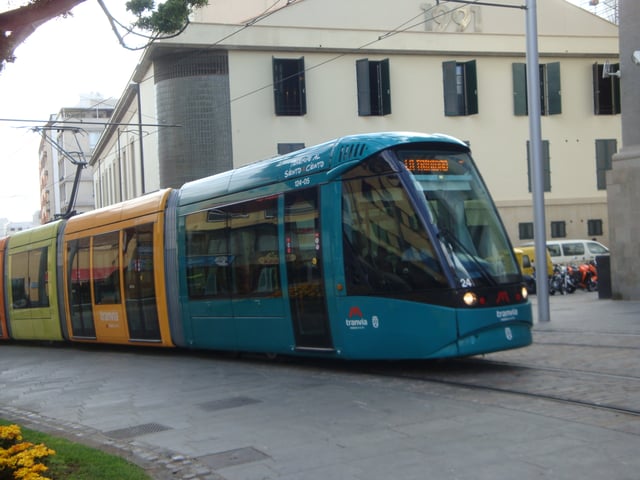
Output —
<point x="303" y="256"/>
<point x="139" y="291"/>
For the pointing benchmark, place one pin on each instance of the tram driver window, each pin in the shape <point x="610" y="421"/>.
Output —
<point x="386" y="249"/>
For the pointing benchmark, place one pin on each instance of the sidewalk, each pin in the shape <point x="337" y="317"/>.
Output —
<point x="584" y="311"/>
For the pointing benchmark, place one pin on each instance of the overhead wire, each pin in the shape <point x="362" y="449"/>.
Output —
<point x="390" y="33"/>
<point x="401" y="28"/>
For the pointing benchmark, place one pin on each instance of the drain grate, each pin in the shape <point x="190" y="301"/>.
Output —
<point x="234" y="457"/>
<point x="136" y="431"/>
<point x="224" y="403"/>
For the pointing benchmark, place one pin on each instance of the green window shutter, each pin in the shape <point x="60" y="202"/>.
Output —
<point x="605" y="149"/>
<point x="364" y="87"/>
<point x="450" y="90"/>
<point x="546" y="161"/>
<point x="278" y="85"/>
<point x="471" y="87"/>
<point x="302" y="89"/>
<point x="519" y="88"/>
<point x="385" y="87"/>
<point x="554" y="99"/>
<point x="596" y="74"/>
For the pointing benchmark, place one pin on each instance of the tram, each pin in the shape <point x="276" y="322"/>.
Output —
<point x="371" y="246"/>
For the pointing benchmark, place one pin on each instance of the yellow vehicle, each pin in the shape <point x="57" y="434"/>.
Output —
<point x="526" y="260"/>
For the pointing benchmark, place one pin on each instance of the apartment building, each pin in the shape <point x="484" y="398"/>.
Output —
<point x="68" y="140"/>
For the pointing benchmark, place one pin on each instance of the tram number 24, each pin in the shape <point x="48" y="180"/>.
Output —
<point x="466" y="283"/>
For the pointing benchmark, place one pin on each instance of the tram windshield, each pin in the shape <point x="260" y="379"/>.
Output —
<point x="408" y="232"/>
<point x="466" y="222"/>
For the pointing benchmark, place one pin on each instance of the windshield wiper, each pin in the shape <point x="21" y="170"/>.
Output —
<point x="447" y="236"/>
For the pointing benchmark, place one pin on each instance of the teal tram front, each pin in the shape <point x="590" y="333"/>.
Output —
<point x="375" y="246"/>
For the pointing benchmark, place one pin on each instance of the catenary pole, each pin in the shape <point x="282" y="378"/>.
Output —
<point x="537" y="167"/>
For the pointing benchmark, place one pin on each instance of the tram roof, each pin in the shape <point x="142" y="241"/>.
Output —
<point x="330" y="158"/>
<point x="129" y="210"/>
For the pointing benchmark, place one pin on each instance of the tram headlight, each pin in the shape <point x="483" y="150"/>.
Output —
<point x="470" y="299"/>
<point x="524" y="292"/>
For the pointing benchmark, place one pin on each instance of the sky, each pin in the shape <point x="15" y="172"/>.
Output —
<point x="63" y="60"/>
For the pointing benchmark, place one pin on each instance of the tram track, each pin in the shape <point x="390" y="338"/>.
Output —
<point x="595" y="390"/>
<point x="537" y="381"/>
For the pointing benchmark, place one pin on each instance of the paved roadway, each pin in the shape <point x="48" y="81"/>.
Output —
<point x="201" y="416"/>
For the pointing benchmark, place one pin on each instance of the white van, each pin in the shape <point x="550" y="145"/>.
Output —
<point x="568" y="252"/>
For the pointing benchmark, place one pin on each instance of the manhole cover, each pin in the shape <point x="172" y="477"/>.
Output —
<point x="136" y="431"/>
<point x="230" y="458"/>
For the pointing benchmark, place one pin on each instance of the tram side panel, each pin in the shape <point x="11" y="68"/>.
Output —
<point x="31" y="284"/>
<point x="114" y="274"/>
<point x="230" y="269"/>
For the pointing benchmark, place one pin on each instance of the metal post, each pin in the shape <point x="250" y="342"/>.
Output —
<point x="140" y="139"/>
<point x="537" y="167"/>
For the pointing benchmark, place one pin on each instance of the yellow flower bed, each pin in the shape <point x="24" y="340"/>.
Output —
<point x="21" y="460"/>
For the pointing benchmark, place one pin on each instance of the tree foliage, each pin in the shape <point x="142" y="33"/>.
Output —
<point x="16" y="25"/>
<point x="169" y="17"/>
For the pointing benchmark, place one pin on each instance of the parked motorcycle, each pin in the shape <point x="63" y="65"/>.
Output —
<point x="561" y="281"/>
<point x="585" y="276"/>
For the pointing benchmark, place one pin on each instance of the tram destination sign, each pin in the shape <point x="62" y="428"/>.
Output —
<point x="426" y="165"/>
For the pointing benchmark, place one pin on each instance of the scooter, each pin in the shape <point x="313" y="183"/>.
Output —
<point x="585" y="276"/>
<point x="588" y="276"/>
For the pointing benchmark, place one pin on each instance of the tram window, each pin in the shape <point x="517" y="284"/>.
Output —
<point x="386" y="249"/>
<point x="234" y="252"/>
<point x="79" y="288"/>
<point x="106" y="268"/>
<point x="253" y="244"/>
<point x="140" y="293"/>
<point x="20" y="279"/>
<point x="138" y="262"/>
<point x="29" y="287"/>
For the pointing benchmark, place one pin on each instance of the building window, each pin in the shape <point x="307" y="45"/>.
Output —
<point x="525" y="231"/>
<point x="606" y="91"/>
<point x="594" y="227"/>
<point x="289" y="86"/>
<point x="558" y="229"/>
<point x="374" y="87"/>
<point x="605" y="148"/>
<point x="550" y="99"/>
<point x="460" y="88"/>
<point x="546" y="165"/>
<point x="284" y="148"/>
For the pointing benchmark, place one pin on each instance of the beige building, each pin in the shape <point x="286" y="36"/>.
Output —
<point x="248" y="80"/>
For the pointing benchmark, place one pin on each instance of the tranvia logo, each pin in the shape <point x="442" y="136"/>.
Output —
<point x="357" y="321"/>
<point x="506" y="315"/>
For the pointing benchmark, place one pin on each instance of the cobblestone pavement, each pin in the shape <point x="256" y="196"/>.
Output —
<point x="204" y="417"/>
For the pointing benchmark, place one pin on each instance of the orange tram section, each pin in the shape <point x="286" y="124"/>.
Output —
<point x="109" y="280"/>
